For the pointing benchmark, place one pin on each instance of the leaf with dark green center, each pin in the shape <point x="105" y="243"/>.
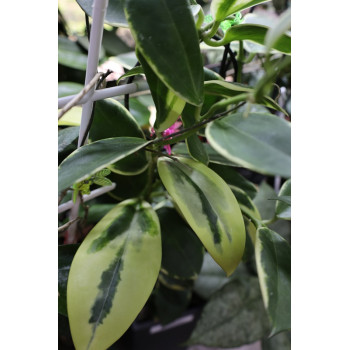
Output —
<point x="182" y="251"/>
<point x="260" y="142"/>
<point x="65" y="257"/>
<point x="220" y="9"/>
<point x="173" y="26"/>
<point x="89" y="159"/>
<point x="113" y="274"/>
<point x="112" y="119"/>
<point x="168" y="105"/>
<point x="272" y="254"/>
<point x="283" y="210"/>
<point x="114" y="15"/>
<point x="256" y="33"/>
<point x="208" y="206"/>
<point x="234" y="316"/>
<point x="70" y="54"/>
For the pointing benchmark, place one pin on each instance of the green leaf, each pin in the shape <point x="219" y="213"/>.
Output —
<point x="260" y="142"/>
<point x="211" y="278"/>
<point x="66" y="137"/>
<point x="173" y="26"/>
<point x="272" y="254"/>
<point x="65" y="257"/>
<point x="208" y="206"/>
<point x="282" y="206"/>
<point x="263" y="201"/>
<point x="170" y="303"/>
<point x="67" y="88"/>
<point x="70" y="54"/>
<point x="234" y="316"/>
<point x="281" y="341"/>
<point x="139" y="111"/>
<point x="132" y="72"/>
<point x="113" y="274"/>
<point x="72" y="117"/>
<point x="214" y="157"/>
<point x="220" y="9"/>
<point x="102" y="181"/>
<point x="114" y="15"/>
<point x="112" y="119"/>
<point x="246" y="204"/>
<point x="234" y="179"/>
<point x="194" y="145"/>
<point x="182" y="251"/>
<point x="255" y="33"/>
<point x="168" y="105"/>
<point x="89" y="159"/>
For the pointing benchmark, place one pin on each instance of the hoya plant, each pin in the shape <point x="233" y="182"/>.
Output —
<point x="193" y="174"/>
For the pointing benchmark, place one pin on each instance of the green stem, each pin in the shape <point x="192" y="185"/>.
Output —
<point x="211" y="32"/>
<point x="200" y="19"/>
<point x="240" y="60"/>
<point x="224" y="103"/>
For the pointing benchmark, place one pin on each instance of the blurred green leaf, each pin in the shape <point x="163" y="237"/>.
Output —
<point x="283" y="207"/>
<point x="234" y="316"/>
<point x="70" y="54"/>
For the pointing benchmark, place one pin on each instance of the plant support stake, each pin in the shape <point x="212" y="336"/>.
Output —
<point x="98" y="16"/>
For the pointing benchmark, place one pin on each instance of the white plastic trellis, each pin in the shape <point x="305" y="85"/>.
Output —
<point x="98" y="15"/>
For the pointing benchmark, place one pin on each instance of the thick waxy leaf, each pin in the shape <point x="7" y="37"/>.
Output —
<point x="112" y="119"/>
<point x="256" y="33"/>
<point x="173" y="26"/>
<point x="72" y="117"/>
<point x="282" y="206"/>
<point x="113" y="274"/>
<point x="260" y="142"/>
<point x="234" y="316"/>
<point x="182" y="251"/>
<point x="95" y="156"/>
<point x="208" y="206"/>
<point x="139" y="111"/>
<point x="70" y="54"/>
<point x="246" y="204"/>
<point x="220" y="9"/>
<point x="114" y="15"/>
<point x="272" y="254"/>
<point x="65" y="256"/>
<point x="194" y="145"/>
<point x="234" y="179"/>
<point x="168" y="105"/>
<point x="66" y="137"/>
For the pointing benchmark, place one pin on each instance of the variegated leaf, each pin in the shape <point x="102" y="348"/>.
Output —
<point x="272" y="254"/>
<point x="89" y="159"/>
<point x="209" y="207"/>
<point x="181" y="70"/>
<point x="220" y="9"/>
<point x="113" y="274"/>
<point x="168" y="105"/>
